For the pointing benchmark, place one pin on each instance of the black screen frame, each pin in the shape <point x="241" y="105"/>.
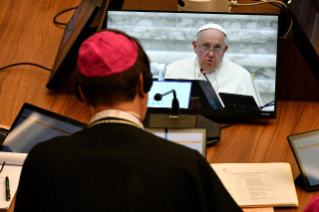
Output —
<point x="222" y="114"/>
<point x="302" y="179"/>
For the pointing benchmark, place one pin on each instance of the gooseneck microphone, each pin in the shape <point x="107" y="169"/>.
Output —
<point x="175" y="103"/>
<point x="204" y="73"/>
<point x="158" y="96"/>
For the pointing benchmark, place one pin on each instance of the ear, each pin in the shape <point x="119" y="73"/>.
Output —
<point x="194" y="43"/>
<point x="83" y="97"/>
<point x="225" y="49"/>
<point x="140" y="87"/>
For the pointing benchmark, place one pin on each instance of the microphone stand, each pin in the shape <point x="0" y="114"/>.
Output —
<point x="175" y="104"/>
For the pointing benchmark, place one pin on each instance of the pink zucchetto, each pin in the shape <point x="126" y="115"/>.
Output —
<point x="313" y="205"/>
<point x="106" y="53"/>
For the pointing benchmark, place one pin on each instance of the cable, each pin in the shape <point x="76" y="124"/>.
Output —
<point x="280" y="7"/>
<point x="226" y="125"/>
<point x="272" y="103"/>
<point x="16" y="64"/>
<point x="283" y="9"/>
<point x="234" y="3"/>
<point x="56" y="22"/>
<point x="253" y="4"/>
<point x="63" y="11"/>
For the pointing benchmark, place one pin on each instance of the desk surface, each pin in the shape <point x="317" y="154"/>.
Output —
<point x="29" y="35"/>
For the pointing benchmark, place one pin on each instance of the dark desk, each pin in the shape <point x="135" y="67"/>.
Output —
<point x="29" y="35"/>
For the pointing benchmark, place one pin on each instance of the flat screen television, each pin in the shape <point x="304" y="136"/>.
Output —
<point x="86" y="20"/>
<point x="305" y="17"/>
<point x="167" y="37"/>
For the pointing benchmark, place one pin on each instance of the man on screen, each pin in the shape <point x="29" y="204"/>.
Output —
<point x="224" y="75"/>
<point x="114" y="164"/>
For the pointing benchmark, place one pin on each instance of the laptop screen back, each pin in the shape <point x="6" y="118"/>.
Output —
<point x="238" y="102"/>
<point x="194" y="138"/>
<point x="34" y="125"/>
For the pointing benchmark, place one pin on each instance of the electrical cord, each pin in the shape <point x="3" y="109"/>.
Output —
<point x="56" y="22"/>
<point x="272" y="103"/>
<point x="253" y="4"/>
<point x="63" y="11"/>
<point x="234" y="3"/>
<point x="226" y="125"/>
<point x="285" y="10"/>
<point x="276" y="5"/>
<point x="33" y="64"/>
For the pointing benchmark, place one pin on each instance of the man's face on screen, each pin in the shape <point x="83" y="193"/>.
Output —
<point x="210" y="49"/>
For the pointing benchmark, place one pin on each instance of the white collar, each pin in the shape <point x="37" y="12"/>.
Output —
<point x="129" y="116"/>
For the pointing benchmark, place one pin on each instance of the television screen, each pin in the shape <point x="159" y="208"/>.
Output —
<point x="305" y="16"/>
<point x="86" y="20"/>
<point x="247" y="68"/>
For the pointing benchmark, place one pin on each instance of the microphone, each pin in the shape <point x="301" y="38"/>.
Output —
<point x="175" y="103"/>
<point x="204" y="73"/>
<point x="158" y="96"/>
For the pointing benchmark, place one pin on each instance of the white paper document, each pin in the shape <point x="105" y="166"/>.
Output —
<point x="12" y="170"/>
<point x="258" y="184"/>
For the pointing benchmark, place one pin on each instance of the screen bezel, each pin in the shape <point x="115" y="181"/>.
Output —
<point x="214" y="114"/>
<point x="291" y="139"/>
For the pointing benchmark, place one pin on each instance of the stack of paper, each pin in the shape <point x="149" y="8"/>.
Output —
<point x="258" y="184"/>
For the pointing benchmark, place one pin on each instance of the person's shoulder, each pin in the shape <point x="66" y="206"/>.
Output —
<point x="231" y="66"/>
<point x="181" y="69"/>
<point x="229" y="63"/>
<point x="182" y="61"/>
<point x="59" y="144"/>
<point x="51" y="146"/>
<point x="47" y="153"/>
